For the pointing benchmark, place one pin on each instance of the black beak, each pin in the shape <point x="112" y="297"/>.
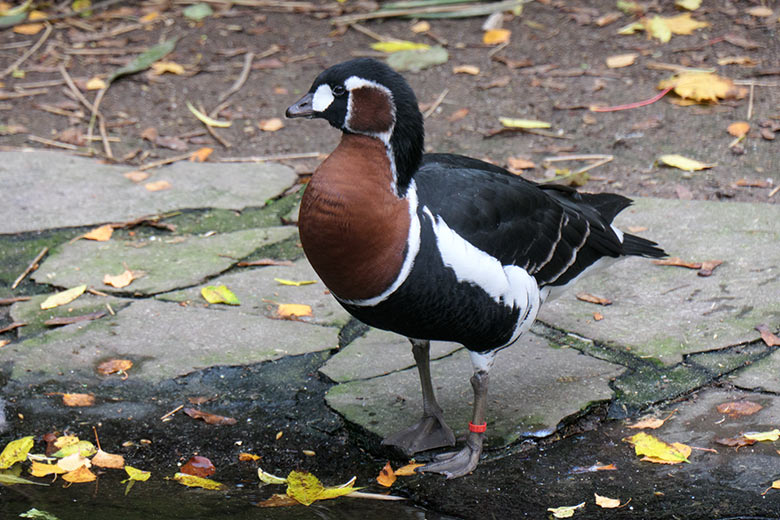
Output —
<point x="302" y="107"/>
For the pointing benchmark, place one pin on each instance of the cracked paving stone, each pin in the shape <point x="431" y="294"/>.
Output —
<point x="664" y="312"/>
<point x="256" y="289"/>
<point x="533" y="387"/>
<point x="761" y="375"/>
<point x="164" y="340"/>
<point x="167" y="263"/>
<point x="61" y="190"/>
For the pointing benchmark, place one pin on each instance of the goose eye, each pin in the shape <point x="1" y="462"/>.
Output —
<point x="338" y="90"/>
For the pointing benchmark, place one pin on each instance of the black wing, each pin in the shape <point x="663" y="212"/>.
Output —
<point x="553" y="232"/>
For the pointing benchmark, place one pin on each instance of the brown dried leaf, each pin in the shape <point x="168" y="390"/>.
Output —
<point x="172" y="143"/>
<point x="248" y="457"/>
<point x="648" y="423"/>
<point x="67" y="320"/>
<point x="198" y="466"/>
<point x="201" y="154"/>
<point x="760" y="11"/>
<point x="678" y="262"/>
<point x="408" y="470"/>
<point x="621" y="60"/>
<point x="637" y="229"/>
<point x="386" y="476"/>
<point x="735" y="442"/>
<point x="708" y="266"/>
<point x="597" y="316"/>
<point x="770" y="339"/>
<point x="265" y="261"/>
<point x="737" y="60"/>
<point x="608" y="18"/>
<point x="745" y="183"/>
<point x="500" y="82"/>
<point x="737" y="408"/>
<point x="136" y="176"/>
<point x="740" y="41"/>
<point x="293" y="310"/>
<point x="108" y="460"/>
<point x="79" y="475"/>
<point x="458" y="115"/>
<point x="210" y="418"/>
<point x="278" y="500"/>
<point x="150" y="134"/>
<point x="517" y="164"/>
<point x="78" y="399"/>
<point x="120" y="280"/>
<point x="738" y="128"/>
<point x="607" y="503"/>
<point x="472" y="70"/>
<point x="114" y="365"/>
<point x="585" y="297"/>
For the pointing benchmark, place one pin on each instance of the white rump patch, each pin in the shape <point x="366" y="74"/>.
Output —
<point x="482" y="361"/>
<point x="323" y="97"/>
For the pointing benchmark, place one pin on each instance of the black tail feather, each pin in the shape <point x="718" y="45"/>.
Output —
<point x="638" y="246"/>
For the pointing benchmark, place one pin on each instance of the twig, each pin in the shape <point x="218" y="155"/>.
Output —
<point x="104" y="137"/>
<point x="750" y="102"/>
<point x="632" y="105"/>
<point x="436" y="103"/>
<point x="15" y="95"/>
<point x="29" y="52"/>
<point x="9" y="301"/>
<point x="30" y="268"/>
<point x="600" y="160"/>
<point x="773" y="192"/>
<point x="265" y="158"/>
<point x="391" y="13"/>
<point x="163" y="162"/>
<point x="96" y="112"/>
<point x="94" y="291"/>
<point x="14" y="325"/>
<point x="172" y="412"/>
<point x="224" y="142"/>
<point x="56" y="144"/>
<point x="241" y="78"/>
<point x="368" y="32"/>
<point x="73" y="88"/>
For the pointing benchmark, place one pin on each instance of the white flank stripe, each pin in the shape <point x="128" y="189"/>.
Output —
<point x="618" y="232"/>
<point x="412" y="248"/>
<point x="323" y="97"/>
<point x="508" y="285"/>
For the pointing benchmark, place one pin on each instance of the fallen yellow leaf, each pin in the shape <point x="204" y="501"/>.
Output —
<point x="137" y="474"/>
<point x="39" y="469"/>
<point x="690" y="5"/>
<point x="398" y="45"/>
<point x="149" y="17"/>
<point x="78" y="399"/>
<point x="621" y="60"/>
<point x="65" y="440"/>
<point x="759" y="11"/>
<point x="472" y="70"/>
<point x="648" y="422"/>
<point x="683" y="163"/>
<point x="161" y="67"/>
<point x="421" y="27"/>
<point x="81" y="448"/>
<point x="684" y="449"/>
<point x="293" y="282"/>
<point x="658" y="29"/>
<point x="193" y="481"/>
<point x="100" y="234"/>
<point x="737" y="60"/>
<point x="646" y="444"/>
<point x="496" y="36"/>
<point x="763" y="436"/>
<point x="219" y="294"/>
<point x="510" y="122"/>
<point x="63" y="297"/>
<point x="16" y="451"/>
<point x="206" y="120"/>
<point x="28" y="29"/>
<point x="270" y="479"/>
<point x="565" y="511"/>
<point x="607" y="503"/>
<point x="307" y="489"/>
<point x="95" y="83"/>
<point x="699" y="86"/>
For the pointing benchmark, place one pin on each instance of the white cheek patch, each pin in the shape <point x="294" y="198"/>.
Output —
<point x="323" y="97"/>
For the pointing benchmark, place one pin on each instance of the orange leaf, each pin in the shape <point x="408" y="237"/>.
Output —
<point x="114" y="365"/>
<point x="739" y="128"/>
<point x="199" y="466"/>
<point x="408" y="470"/>
<point x="248" y="457"/>
<point x="270" y="125"/>
<point x="472" y="70"/>
<point x="597" y="316"/>
<point x="201" y="154"/>
<point x="79" y="475"/>
<point x="28" y="29"/>
<point x="293" y="310"/>
<point x="209" y="418"/>
<point x="100" y="234"/>
<point x="136" y="176"/>
<point x="585" y="297"/>
<point x="496" y="36"/>
<point x="108" y="460"/>
<point x="386" y="476"/>
<point x="119" y="280"/>
<point x="770" y="339"/>
<point x="157" y="185"/>
<point x="78" y="399"/>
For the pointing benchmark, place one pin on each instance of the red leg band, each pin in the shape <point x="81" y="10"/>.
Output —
<point x="477" y="428"/>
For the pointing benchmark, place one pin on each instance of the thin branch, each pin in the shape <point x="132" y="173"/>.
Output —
<point x="28" y="53"/>
<point x="241" y="78"/>
<point x="30" y="267"/>
<point x="436" y="103"/>
<point x="636" y="104"/>
<point x="265" y="158"/>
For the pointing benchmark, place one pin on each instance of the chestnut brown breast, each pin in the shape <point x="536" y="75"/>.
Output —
<point x="353" y="226"/>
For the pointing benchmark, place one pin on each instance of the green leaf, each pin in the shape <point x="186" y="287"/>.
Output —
<point x="193" y="481"/>
<point x="136" y="474"/>
<point x="9" y="479"/>
<point x="270" y="479"/>
<point x="198" y="12"/>
<point x="418" y="60"/>
<point x="78" y="5"/>
<point x="37" y="514"/>
<point x="219" y="294"/>
<point x="83" y="448"/>
<point x="144" y="60"/>
<point x="16" y="451"/>
<point x="63" y="297"/>
<point x="307" y="489"/>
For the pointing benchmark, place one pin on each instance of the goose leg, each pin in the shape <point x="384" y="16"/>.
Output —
<point x="431" y="431"/>
<point x="458" y="463"/>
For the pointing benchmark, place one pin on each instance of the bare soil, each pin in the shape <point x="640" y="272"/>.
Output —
<point x="560" y="42"/>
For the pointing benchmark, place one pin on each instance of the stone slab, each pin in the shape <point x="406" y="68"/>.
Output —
<point x="664" y="312"/>
<point x="761" y="375"/>
<point x="45" y="189"/>
<point x="533" y="387"/>
<point x="257" y="287"/>
<point x="169" y="264"/>
<point x="163" y="340"/>
<point x="30" y="312"/>
<point x="377" y="353"/>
